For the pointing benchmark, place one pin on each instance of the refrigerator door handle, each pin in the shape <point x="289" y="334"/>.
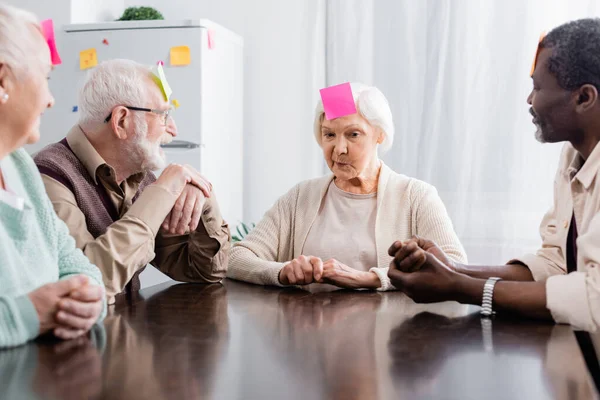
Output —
<point x="180" y="144"/>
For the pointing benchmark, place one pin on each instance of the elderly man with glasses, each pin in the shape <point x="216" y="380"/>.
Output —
<point x="101" y="184"/>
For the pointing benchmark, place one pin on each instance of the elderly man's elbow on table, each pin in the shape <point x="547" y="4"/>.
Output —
<point x="100" y="181"/>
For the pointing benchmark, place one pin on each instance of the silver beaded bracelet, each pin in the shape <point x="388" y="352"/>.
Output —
<point x="488" y="296"/>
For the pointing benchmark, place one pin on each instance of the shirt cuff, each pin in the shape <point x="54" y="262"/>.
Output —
<point x="537" y="265"/>
<point x="567" y="300"/>
<point x="271" y="273"/>
<point x="386" y="283"/>
<point x="29" y="316"/>
<point x="153" y="206"/>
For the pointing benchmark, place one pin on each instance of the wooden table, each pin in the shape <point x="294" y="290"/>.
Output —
<point x="239" y="341"/>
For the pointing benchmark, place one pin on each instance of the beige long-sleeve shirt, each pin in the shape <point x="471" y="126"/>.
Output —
<point x="136" y="238"/>
<point x="571" y="298"/>
<point x="405" y="207"/>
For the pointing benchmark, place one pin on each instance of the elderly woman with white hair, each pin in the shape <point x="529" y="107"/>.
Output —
<point x="47" y="285"/>
<point x="337" y="229"/>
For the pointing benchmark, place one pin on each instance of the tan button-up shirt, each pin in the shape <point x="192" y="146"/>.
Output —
<point x="136" y="238"/>
<point x="572" y="298"/>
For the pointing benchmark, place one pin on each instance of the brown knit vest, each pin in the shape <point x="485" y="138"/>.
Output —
<point x="60" y="163"/>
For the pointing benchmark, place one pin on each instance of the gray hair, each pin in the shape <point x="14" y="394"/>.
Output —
<point x="575" y="59"/>
<point x="112" y="83"/>
<point x="372" y="105"/>
<point x="16" y="39"/>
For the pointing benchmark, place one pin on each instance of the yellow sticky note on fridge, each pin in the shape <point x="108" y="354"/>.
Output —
<point x="180" y="55"/>
<point x="88" y="58"/>
<point x="161" y="81"/>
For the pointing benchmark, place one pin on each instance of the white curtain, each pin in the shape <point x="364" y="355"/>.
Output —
<point x="456" y="73"/>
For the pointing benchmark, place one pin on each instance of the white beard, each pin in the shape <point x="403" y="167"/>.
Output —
<point x="147" y="154"/>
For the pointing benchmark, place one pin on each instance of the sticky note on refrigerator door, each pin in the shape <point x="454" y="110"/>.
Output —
<point x="211" y="39"/>
<point x="338" y="101"/>
<point x="180" y="55"/>
<point x="88" y="58"/>
<point x="161" y="81"/>
<point x="537" y="53"/>
<point x="48" y="31"/>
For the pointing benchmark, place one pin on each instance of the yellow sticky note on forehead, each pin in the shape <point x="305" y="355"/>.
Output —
<point x="537" y="52"/>
<point x="161" y="81"/>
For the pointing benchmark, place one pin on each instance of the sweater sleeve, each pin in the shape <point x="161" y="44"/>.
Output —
<point x="434" y="223"/>
<point x="430" y="221"/>
<point x="71" y="261"/>
<point x="256" y="259"/>
<point x="18" y="318"/>
<point x="18" y="321"/>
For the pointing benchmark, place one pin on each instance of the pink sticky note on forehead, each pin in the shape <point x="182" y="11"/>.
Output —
<point x="48" y="31"/>
<point x="338" y="101"/>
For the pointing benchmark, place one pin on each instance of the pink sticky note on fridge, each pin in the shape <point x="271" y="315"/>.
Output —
<point x="48" y="31"/>
<point x="338" y="101"/>
<point x="211" y="39"/>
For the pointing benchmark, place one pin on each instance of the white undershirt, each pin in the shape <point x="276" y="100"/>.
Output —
<point x="10" y="198"/>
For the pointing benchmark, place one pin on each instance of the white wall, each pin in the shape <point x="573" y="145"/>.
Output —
<point x="284" y="56"/>
<point x="85" y="11"/>
<point x="72" y="11"/>
<point x="57" y="10"/>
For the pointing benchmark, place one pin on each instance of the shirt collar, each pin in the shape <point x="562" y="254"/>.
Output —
<point x="90" y="158"/>
<point x="585" y="170"/>
<point x="85" y="151"/>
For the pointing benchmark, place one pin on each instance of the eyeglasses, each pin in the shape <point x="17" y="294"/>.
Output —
<point x="164" y="113"/>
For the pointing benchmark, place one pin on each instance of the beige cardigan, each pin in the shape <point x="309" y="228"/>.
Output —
<point x="405" y="207"/>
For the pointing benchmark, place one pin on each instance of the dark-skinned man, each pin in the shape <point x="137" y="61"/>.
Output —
<point x="562" y="280"/>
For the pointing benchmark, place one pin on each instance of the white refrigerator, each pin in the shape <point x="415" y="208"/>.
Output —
<point x="208" y="91"/>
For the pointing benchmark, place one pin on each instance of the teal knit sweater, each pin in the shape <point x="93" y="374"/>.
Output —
<point x="35" y="249"/>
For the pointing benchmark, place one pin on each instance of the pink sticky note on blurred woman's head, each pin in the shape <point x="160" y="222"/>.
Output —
<point x="338" y="101"/>
<point x="211" y="39"/>
<point x="48" y="31"/>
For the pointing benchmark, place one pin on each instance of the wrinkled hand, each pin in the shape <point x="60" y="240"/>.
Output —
<point x="186" y="212"/>
<point x="79" y="311"/>
<point x="46" y="298"/>
<point x="432" y="282"/>
<point x="411" y="255"/>
<point x="303" y="270"/>
<point x="339" y="274"/>
<point x="176" y="176"/>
